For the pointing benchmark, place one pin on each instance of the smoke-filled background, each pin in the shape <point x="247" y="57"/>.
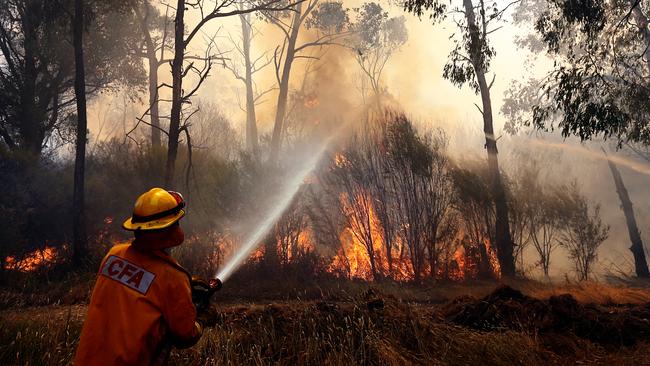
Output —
<point x="229" y="184"/>
<point x="376" y="182"/>
<point x="413" y="80"/>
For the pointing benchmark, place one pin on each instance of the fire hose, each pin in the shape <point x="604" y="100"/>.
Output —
<point x="202" y="292"/>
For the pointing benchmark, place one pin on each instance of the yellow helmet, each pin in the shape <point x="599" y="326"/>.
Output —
<point x="156" y="209"/>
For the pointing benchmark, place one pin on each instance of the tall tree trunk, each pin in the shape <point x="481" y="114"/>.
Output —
<point x="504" y="242"/>
<point x="79" y="222"/>
<point x="153" y="77"/>
<point x="640" y="263"/>
<point x="153" y="99"/>
<point x="30" y="123"/>
<point x="177" y="80"/>
<point x="251" y="119"/>
<point x="276" y="138"/>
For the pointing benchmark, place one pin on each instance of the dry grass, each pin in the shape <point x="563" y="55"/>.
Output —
<point x="351" y="334"/>
<point x="439" y="293"/>
<point x="40" y="336"/>
<point x="358" y="328"/>
<point x="592" y="292"/>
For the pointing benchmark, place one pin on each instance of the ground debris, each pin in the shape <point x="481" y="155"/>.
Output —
<point x="509" y="309"/>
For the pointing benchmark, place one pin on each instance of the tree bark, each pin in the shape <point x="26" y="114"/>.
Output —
<point x="640" y="263"/>
<point x="152" y="59"/>
<point x="30" y="121"/>
<point x="153" y="99"/>
<point x="79" y="224"/>
<point x="276" y="139"/>
<point x="177" y="80"/>
<point x="504" y="242"/>
<point x="251" y="119"/>
<point x="153" y="79"/>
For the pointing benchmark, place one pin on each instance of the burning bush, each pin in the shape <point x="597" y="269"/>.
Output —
<point x="38" y="259"/>
<point x="406" y="213"/>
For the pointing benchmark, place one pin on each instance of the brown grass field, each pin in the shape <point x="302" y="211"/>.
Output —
<point x="361" y="324"/>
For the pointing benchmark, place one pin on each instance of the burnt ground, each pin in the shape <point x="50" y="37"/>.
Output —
<point x="509" y="309"/>
<point x="375" y="327"/>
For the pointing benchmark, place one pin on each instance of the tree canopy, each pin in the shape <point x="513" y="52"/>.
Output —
<point x="598" y="84"/>
<point x="37" y="68"/>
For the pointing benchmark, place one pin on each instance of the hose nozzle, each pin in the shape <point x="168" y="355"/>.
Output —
<point x="215" y="284"/>
<point x="203" y="290"/>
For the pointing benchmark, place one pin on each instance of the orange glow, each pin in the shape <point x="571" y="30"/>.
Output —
<point x="363" y="237"/>
<point x="303" y="244"/>
<point x="311" y="101"/>
<point x="33" y="261"/>
<point x="305" y="241"/>
<point x="457" y="266"/>
<point x="257" y="255"/>
<point x="355" y="248"/>
<point x="340" y="160"/>
<point x="355" y="245"/>
<point x="353" y="258"/>
<point x="492" y="257"/>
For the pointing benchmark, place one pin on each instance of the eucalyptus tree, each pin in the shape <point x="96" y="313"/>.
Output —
<point x="54" y="56"/>
<point x="598" y="85"/>
<point x="154" y="28"/>
<point x="329" y="22"/>
<point x="244" y="67"/>
<point x="184" y="34"/>
<point x="37" y="66"/>
<point x="376" y="39"/>
<point x="469" y="64"/>
<point x="78" y="196"/>
<point x="636" y="247"/>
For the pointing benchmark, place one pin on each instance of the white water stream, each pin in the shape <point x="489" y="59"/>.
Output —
<point x="267" y="220"/>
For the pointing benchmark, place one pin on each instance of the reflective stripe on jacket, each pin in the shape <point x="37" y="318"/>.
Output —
<point x="140" y="298"/>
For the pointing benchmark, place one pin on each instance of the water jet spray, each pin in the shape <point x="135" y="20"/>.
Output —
<point x="628" y="163"/>
<point x="266" y="222"/>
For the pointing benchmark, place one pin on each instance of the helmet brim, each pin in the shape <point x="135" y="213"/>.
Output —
<point x="158" y="224"/>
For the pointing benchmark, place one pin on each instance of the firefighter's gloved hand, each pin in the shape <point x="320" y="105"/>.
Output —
<point x="207" y="317"/>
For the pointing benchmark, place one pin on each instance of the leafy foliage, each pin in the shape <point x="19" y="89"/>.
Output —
<point x="37" y="68"/>
<point x="598" y="85"/>
<point x="376" y="38"/>
<point x="472" y="50"/>
<point x="329" y="18"/>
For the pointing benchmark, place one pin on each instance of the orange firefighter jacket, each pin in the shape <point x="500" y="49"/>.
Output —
<point x="140" y="299"/>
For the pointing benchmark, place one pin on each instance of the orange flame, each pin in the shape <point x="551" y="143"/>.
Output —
<point x="340" y="160"/>
<point x="33" y="261"/>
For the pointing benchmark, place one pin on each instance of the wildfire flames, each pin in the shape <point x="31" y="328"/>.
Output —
<point x="361" y="239"/>
<point x="32" y="261"/>
<point x="353" y="259"/>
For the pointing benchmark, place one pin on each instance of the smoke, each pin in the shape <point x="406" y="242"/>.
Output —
<point x="263" y="223"/>
<point x="413" y="78"/>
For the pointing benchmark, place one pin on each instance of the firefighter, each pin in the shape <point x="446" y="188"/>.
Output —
<point x="142" y="302"/>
